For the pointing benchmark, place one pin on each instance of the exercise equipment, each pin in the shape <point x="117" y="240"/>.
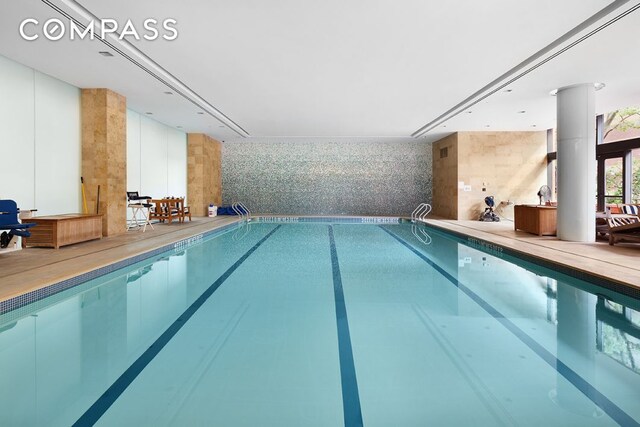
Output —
<point x="9" y="221"/>
<point x="489" y="215"/>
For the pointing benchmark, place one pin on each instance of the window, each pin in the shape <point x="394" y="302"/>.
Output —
<point x="613" y="306"/>
<point x="613" y="180"/>
<point x="621" y="124"/>
<point x="618" y="156"/>
<point x="635" y="176"/>
<point x="617" y="333"/>
<point x="552" y="164"/>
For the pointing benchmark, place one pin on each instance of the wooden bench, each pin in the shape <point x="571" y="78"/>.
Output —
<point x="53" y="231"/>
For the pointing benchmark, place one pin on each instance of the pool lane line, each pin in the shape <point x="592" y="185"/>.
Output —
<point x="593" y="394"/>
<point x="350" y="396"/>
<point x="104" y="402"/>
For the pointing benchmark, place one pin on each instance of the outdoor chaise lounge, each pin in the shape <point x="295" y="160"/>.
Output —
<point x="629" y="209"/>
<point x="627" y="229"/>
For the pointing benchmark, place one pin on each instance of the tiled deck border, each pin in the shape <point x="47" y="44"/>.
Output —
<point x="55" y="288"/>
<point x="14" y="304"/>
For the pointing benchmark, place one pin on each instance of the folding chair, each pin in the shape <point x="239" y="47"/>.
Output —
<point x="139" y="206"/>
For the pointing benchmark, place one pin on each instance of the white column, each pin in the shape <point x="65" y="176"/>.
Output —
<point x="576" y="334"/>
<point x="576" y="163"/>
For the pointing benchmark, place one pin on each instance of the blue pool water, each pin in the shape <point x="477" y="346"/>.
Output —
<point x="324" y="324"/>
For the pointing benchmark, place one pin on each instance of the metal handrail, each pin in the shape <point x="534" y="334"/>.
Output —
<point x="241" y="210"/>
<point x="237" y="211"/>
<point x="242" y="231"/>
<point x="420" y="234"/>
<point x="414" y="214"/>
<point x="420" y="213"/>
<point x="242" y="205"/>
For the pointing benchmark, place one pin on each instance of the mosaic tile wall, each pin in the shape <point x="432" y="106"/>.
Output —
<point x="327" y="177"/>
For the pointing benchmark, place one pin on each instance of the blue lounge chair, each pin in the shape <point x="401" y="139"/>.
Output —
<point x="9" y="221"/>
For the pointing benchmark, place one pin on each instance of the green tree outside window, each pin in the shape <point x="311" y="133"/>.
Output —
<point x="623" y="120"/>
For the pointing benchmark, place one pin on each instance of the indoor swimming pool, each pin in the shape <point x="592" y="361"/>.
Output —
<point x="324" y="323"/>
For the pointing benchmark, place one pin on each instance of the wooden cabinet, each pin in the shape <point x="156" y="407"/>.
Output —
<point x="60" y="230"/>
<point x="540" y="220"/>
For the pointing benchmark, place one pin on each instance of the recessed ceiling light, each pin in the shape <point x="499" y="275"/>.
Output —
<point x="444" y="126"/>
<point x="486" y="126"/>
<point x="168" y="93"/>
<point x="533" y="126"/>
<point x="222" y="126"/>
<point x="179" y="127"/>
<point x="469" y="112"/>
<point x="508" y="90"/>
<point x="200" y="112"/>
<point x="105" y="53"/>
<point x="521" y="112"/>
<point x="149" y="113"/>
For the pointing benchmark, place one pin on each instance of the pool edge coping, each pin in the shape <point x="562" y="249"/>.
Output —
<point x="474" y="241"/>
<point x="495" y="248"/>
<point x="14" y="303"/>
<point x="57" y="286"/>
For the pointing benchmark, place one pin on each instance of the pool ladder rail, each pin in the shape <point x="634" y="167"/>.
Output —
<point x="242" y="231"/>
<point x="420" y="234"/>
<point x="242" y="211"/>
<point x="420" y="213"/>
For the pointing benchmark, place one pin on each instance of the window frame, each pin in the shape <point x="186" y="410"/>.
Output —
<point x="623" y="148"/>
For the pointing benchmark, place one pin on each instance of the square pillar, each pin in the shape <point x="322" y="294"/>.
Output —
<point x="104" y="156"/>
<point x="204" y="172"/>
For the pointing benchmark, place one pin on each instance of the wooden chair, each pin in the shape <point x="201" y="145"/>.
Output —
<point x="185" y="211"/>
<point x="166" y="210"/>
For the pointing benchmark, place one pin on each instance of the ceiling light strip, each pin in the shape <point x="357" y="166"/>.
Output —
<point x="170" y="80"/>
<point x="486" y="91"/>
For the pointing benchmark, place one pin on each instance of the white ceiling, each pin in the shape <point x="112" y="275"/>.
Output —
<point x="342" y="68"/>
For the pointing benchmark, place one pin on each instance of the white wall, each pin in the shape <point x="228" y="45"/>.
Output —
<point x="156" y="157"/>
<point x="176" y="162"/>
<point x="39" y="140"/>
<point x="41" y="146"/>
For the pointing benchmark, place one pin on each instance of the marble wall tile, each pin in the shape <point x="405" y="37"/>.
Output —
<point x="104" y="156"/>
<point x="203" y="172"/>
<point x="325" y="177"/>
<point x="511" y="166"/>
